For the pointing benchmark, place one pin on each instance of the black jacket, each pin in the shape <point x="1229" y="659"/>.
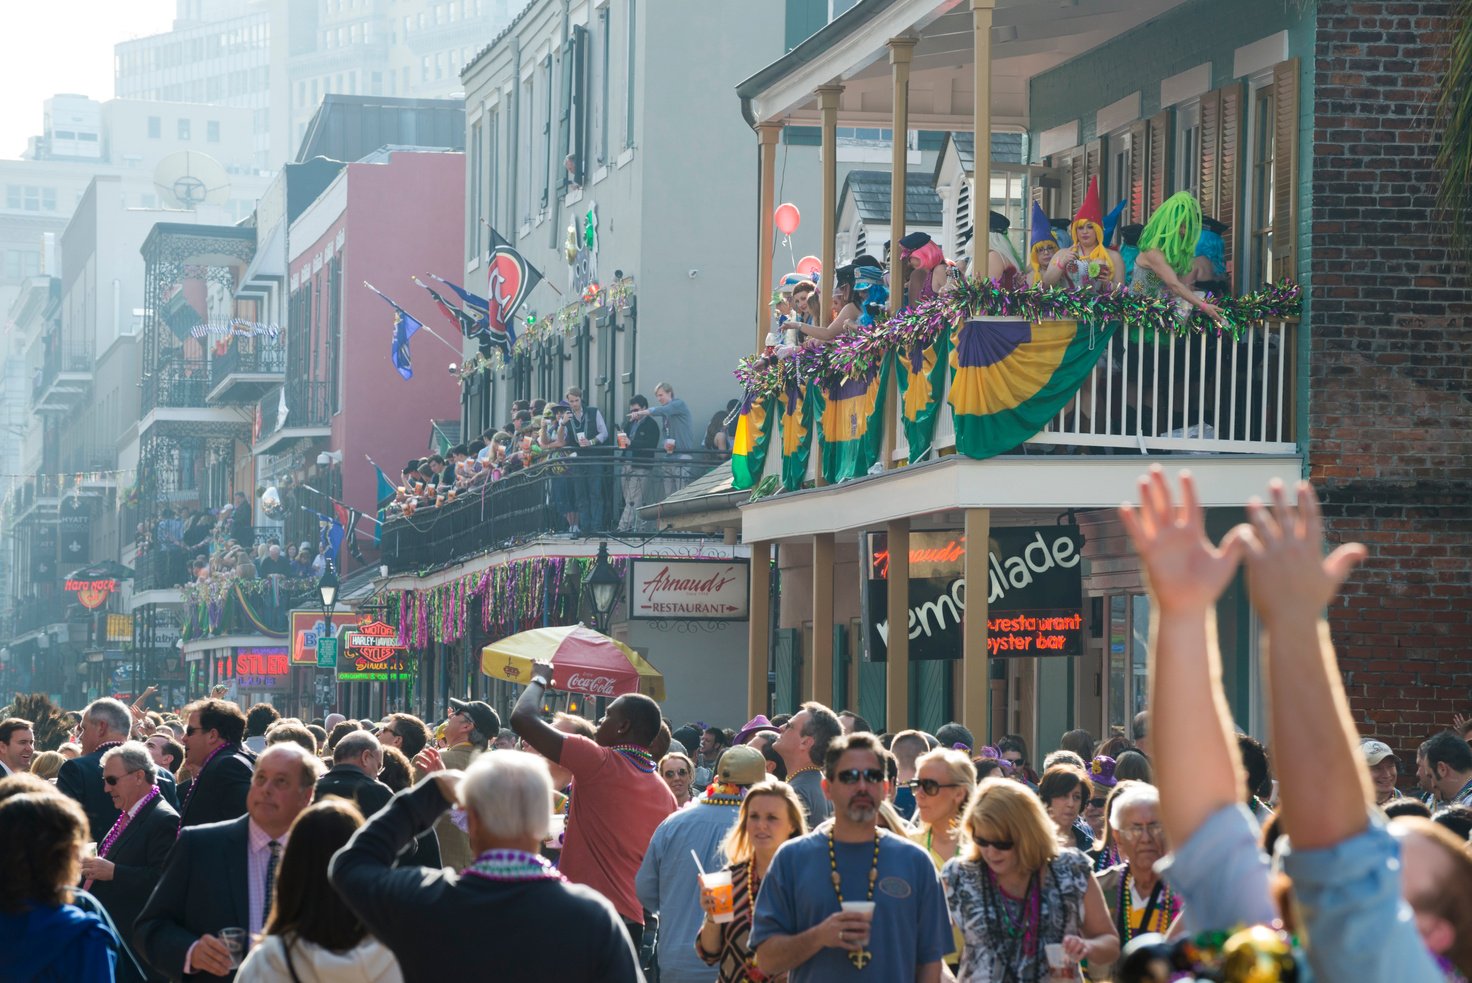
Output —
<point x="81" y="779"/>
<point x="371" y="796"/>
<point x="644" y="439"/>
<point x="218" y="792"/>
<point x="438" y="919"/>
<point x="138" y="857"/>
<point x="203" y="889"/>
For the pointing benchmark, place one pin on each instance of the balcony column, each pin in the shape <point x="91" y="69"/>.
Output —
<point x="901" y="50"/>
<point x="767" y="134"/>
<point x="821" y="657"/>
<point x="759" y="628"/>
<point x="828" y="110"/>
<point x="897" y="676"/>
<point x="975" y="663"/>
<point x="981" y="184"/>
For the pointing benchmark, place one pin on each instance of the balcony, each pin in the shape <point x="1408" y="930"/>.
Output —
<point x="226" y="606"/>
<point x="533" y="502"/>
<point x="244" y="374"/>
<point x="296" y="411"/>
<point x="66" y="376"/>
<point x="32" y="613"/>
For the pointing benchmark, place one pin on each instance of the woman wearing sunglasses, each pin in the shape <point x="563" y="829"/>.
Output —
<point x="943" y="782"/>
<point x="678" y="772"/>
<point x="1028" y="909"/>
<point x="771" y="814"/>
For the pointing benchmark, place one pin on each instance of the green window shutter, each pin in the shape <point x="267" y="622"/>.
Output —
<point x="930" y="693"/>
<point x="787" y="663"/>
<point x="871" y="693"/>
<point x="840" y="667"/>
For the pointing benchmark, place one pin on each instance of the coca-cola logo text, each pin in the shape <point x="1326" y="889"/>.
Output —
<point x="592" y="685"/>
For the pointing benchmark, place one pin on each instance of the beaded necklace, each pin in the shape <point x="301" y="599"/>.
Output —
<point x="124" y="818"/>
<point x="802" y="771"/>
<point x="718" y="794"/>
<point x="860" y="958"/>
<point x="1125" y="907"/>
<point x="512" y="865"/>
<point x="1006" y="938"/>
<point x="194" y="786"/>
<point x="637" y="756"/>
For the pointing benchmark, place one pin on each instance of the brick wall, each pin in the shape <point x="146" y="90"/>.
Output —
<point x="1390" y="410"/>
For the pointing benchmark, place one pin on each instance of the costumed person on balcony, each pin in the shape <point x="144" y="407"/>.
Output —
<point x="1209" y="265"/>
<point x="1129" y="248"/>
<point x="848" y="302"/>
<point x="1041" y="247"/>
<point x="870" y="292"/>
<point x="927" y="270"/>
<point x="1111" y="223"/>
<point x="1003" y="265"/>
<point x="1060" y="232"/>
<point x="1088" y="264"/>
<point x="1167" y="247"/>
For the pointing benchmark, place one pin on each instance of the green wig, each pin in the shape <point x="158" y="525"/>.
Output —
<point x="1173" y="230"/>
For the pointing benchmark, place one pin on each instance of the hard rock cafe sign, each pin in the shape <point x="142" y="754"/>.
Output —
<point x="92" y="594"/>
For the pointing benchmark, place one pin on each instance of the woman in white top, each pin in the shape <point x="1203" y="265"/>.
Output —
<point x="311" y="936"/>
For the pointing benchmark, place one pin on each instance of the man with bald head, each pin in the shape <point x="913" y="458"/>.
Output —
<point x="223" y="874"/>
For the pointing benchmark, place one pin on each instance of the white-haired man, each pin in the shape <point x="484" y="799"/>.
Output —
<point x="510" y="901"/>
<point x="105" y="725"/>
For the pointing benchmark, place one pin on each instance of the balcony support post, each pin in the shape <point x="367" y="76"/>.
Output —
<point x="901" y="50"/>
<point x="767" y="134"/>
<point x="822" y="654"/>
<point x="975" y="664"/>
<point x="828" y="109"/>
<point x="759" y="625"/>
<point x="897" y="686"/>
<point x="981" y="183"/>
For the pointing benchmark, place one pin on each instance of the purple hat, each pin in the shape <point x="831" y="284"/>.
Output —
<point x="1101" y="772"/>
<point x="759" y="722"/>
<point x="1039" y="230"/>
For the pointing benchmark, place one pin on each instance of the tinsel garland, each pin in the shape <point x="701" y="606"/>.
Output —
<point x="206" y="603"/>
<point x="862" y="351"/>
<point x="539" y="331"/>
<point x="513" y="597"/>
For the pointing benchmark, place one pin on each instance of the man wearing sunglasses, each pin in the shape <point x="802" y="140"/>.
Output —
<point x="213" y="734"/>
<point x="132" y="852"/>
<point x="800" y="926"/>
<point x="105" y="725"/>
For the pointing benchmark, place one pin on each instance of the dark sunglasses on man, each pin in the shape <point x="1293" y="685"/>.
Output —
<point x="852" y="776"/>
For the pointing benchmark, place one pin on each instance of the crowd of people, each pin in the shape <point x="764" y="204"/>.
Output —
<point x="237" y="844"/>
<point x="1178" y="253"/>
<point x="222" y="544"/>
<point x="602" y="472"/>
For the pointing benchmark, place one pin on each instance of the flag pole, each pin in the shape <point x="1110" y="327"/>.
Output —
<point x="422" y="326"/>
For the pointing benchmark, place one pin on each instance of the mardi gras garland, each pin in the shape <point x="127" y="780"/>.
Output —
<point x="259" y="603"/>
<point x="861" y="352"/>
<point x="537" y="332"/>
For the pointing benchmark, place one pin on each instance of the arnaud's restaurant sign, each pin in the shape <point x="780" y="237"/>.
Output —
<point x="692" y="590"/>
<point x="1034" y="601"/>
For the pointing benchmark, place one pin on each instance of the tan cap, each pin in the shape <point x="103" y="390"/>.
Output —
<point x="741" y="765"/>
<point x="1375" y="751"/>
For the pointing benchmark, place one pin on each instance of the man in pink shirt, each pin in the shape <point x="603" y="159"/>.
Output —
<point x="617" y="796"/>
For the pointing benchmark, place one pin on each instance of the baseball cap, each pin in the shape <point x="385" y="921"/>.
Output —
<point x="485" y="719"/>
<point x="741" y="765"/>
<point x="1375" y="751"/>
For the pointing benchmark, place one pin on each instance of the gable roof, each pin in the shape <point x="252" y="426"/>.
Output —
<point x="871" y="196"/>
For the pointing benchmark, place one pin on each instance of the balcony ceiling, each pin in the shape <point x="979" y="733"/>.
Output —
<point x="1028" y="37"/>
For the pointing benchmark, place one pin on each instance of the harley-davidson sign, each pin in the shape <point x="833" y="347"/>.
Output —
<point x="691" y="590"/>
<point x="372" y="651"/>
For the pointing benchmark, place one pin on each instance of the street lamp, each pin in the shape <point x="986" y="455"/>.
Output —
<point x="327" y="586"/>
<point x="603" y="586"/>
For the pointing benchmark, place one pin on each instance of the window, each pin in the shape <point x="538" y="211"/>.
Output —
<point x="212" y="131"/>
<point x="630" y="60"/>
<point x="155" y="127"/>
<point x="525" y="127"/>
<point x="183" y="129"/>
<point x="1260" y="200"/>
<point x="600" y="101"/>
<point x="546" y="159"/>
<point x="477" y="184"/>
<point x="48" y="199"/>
<point x="1188" y="148"/>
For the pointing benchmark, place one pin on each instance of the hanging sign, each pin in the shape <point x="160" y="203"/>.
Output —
<point x="307" y="627"/>
<point x="372" y="651"/>
<point x="689" y="590"/>
<point x="1035" y="596"/>
<point x="92" y="594"/>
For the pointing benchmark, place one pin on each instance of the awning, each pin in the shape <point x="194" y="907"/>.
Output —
<point x="584" y="662"/>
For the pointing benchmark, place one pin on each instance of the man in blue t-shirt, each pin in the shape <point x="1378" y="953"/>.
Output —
<point x="798" y="925"/>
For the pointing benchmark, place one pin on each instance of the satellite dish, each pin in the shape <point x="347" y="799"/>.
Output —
<point x="188" y="179"/>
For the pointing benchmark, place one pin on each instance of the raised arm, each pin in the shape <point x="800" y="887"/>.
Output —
<point x="1196" y="761"/>
<point x="842" y="324"/>
<point x="1154" y="260"/>
<point x="526" y="716"/>
<point x="1324" y="787"/>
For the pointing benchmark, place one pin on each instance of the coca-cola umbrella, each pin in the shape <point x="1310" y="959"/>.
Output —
<point x="583" y="661"/>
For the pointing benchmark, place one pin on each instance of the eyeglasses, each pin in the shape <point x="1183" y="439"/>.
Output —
<point x="1155" y="831"/>
<point x="114" y="779"/>
<point x="930" y="786"/>
<point x="191" y="731"/>
<point x="852" y="776"/>
<point x="1098" y="803"/>
<point x="678" y="773"/>
<point x="993" y="844"/>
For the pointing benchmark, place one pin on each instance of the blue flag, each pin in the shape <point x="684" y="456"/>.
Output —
<point x="385" y="494"/>
<point x="329" y="540"/>
<point x="404" y="327"/>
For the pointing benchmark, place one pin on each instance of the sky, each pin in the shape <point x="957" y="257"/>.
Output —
<point x="51" y="46"/>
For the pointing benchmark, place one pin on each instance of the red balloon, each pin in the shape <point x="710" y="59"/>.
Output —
<point x="809" y="265"/>
<point x="787" y="217"/>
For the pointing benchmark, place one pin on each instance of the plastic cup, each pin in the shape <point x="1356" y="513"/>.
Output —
<point x="623" y="440"/>
<point x="526" y="444"/>
<point x="669" y="445"/>
<point x="1060" y="967"/>
<point x="718" y="885"/>
<point x="556" y="829"/>
<point x="865" y="908"/>
<point x="582" y="440"/>
<point x="89" y="850"/>
<point x="234" y="939"/>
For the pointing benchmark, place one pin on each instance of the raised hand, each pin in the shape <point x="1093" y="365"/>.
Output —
<point x="1287" y="572"/>
<point x="1184" y="569"/>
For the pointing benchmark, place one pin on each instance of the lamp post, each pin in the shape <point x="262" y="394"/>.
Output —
<point x="603" y="585"/>
<point x="327" y="587"/>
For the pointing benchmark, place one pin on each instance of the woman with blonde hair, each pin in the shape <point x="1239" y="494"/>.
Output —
<point x="46" y="764"/>
<point x="1022" y="902"/>
<point x="771" y="814"/>
<point x="678" y="772"/>
<point x="943" y="783"/>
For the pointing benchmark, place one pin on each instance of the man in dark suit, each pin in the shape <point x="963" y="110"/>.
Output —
<point x="131" y="854"/>
<point x="356" y="760"/>
<point x="222" y="767"/>
<point x="221" y="875"/>
<point x="105" y="725"/>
